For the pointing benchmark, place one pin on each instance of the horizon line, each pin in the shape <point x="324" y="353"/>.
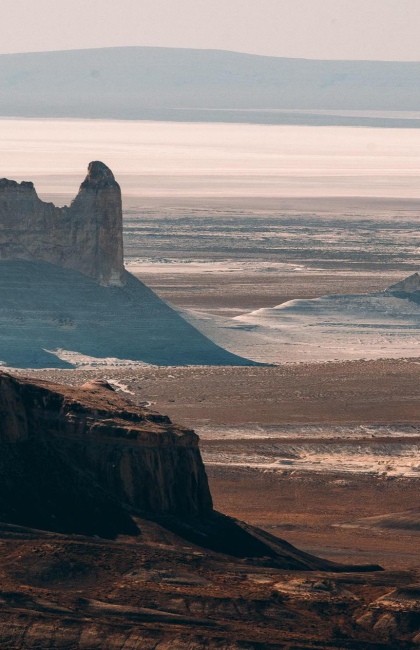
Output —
<point x="207" y="49"/>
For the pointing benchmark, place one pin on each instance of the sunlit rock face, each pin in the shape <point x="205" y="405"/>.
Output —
<point x="86" y="237"/>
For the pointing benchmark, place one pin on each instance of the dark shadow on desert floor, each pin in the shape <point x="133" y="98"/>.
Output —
<point x="44" y="308"/>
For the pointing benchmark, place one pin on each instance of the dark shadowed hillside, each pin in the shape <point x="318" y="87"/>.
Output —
<point x="45" y="308"/>
<point x="98" y="310"/>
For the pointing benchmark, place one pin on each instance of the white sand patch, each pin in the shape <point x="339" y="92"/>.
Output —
<point x="388" y="451"/>
<point x="145" y="266"/>
<point x="120" y="386"/>
<point x="307" y="431"/>
<point x="85" y="361"/>
<point x="392" y="461"/>
<point x="331" y="328"/>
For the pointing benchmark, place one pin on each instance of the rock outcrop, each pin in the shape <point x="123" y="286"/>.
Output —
<point x="86" y="460"/>
<point x="64" y="292"/>
<point x="108" y="540"/>
<point x="86" y="237"/>
<point x="76" y="460"/>
<point x="410" y="284"/>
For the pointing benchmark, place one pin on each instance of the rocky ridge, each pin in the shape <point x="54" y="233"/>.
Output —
<point x="86" y="237"/>
<point x="138" y="459"/>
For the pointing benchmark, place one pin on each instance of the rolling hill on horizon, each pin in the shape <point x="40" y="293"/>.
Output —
<point x="205" y="85"/>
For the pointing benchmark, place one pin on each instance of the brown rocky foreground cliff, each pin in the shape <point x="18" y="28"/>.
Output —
<point x="86" y="237"/>
<point x="88" y="461"/>
<point x="108" y="540"/>
<point x="69" y="455"/>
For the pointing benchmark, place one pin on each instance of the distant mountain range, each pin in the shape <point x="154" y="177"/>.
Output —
<point x="205" y="85"/>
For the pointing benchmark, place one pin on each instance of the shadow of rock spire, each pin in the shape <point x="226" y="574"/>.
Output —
<point x="44" y="308"/>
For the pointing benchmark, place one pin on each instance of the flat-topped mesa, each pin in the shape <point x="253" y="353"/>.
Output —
<point x="86" y="237"/>
<point x="68" y="453"/>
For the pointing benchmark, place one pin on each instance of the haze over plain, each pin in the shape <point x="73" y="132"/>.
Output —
<point x="208" y="86"/>
<point x="177" y="66"/>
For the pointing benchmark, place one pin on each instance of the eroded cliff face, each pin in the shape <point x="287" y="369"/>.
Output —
<point x="74" y="460"/>
<point x="175" y="574"/>
<point x="86" y="237"/>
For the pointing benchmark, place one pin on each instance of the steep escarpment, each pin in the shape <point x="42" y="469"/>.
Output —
<point x="175" y="573"/>
<point x="85" y="460"/>
<point x="77" y="460"/>
<point x="86" y="237"/>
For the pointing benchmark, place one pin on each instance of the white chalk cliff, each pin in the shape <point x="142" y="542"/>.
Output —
<point x="86" y="237"/>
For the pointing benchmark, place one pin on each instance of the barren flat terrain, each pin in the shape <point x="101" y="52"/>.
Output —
<point x="235" y="292"/>
<point x="358" y="392"/>
<point x="229" y="256"/>
<point x="322" y="513"/>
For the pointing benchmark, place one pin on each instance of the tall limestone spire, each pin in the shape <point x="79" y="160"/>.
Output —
<point x="98" y="204"/>
<point x="86" y="237"/>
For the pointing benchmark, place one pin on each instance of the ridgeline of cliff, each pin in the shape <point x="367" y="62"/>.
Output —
<point x="73" y="460"/>
<point x="86" y="237"/>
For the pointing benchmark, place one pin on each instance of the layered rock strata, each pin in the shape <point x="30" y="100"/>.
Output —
<point x="86" y="237"/>
<point x="76" y="460"/>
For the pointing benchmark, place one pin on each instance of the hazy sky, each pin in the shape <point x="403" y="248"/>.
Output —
<point x="346" y="29"/>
